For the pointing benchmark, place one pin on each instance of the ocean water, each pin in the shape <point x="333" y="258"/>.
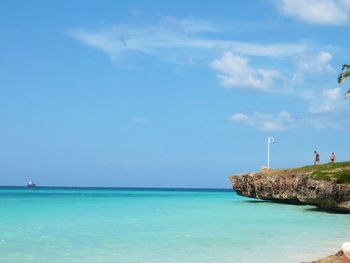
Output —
<point x="165" y="226"/>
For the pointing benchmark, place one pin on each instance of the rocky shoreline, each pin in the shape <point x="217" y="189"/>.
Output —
<point x="295" y="188"/>
<point x="336" y="258"/>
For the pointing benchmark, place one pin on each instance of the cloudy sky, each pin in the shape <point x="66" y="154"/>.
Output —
<point x="183" y="94"/>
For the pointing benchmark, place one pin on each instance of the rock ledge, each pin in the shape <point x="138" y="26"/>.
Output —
<point x="293" y="188"/>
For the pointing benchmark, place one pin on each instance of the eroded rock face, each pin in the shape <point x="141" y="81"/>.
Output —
<point x="337" y="258"/>
<point x="293" y="188"/>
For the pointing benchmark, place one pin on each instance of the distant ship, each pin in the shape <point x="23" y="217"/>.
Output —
<point x="31" y="184"/>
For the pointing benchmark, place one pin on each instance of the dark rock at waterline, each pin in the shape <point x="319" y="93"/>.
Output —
<point x="295" y="188"/>
<point x="337" y="258"/>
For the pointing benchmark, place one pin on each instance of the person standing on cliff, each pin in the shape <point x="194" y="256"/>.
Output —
<point x="317" y="158"/>
<point x="332" y="158"/>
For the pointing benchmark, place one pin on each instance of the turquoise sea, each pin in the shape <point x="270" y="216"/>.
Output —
<point x="160" y="225"/>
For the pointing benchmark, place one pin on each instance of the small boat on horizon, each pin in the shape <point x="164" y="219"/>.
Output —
<point x="31" y="184"/>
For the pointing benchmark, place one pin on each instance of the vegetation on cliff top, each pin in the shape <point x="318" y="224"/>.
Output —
<point x="326" y="172"/>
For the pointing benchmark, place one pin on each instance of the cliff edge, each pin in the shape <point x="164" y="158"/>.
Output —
<point x="319" y="186"/>
<point x="337" y="258"/>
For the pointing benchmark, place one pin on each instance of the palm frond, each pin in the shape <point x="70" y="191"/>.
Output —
<point x="347" y="93"/>
<point x="345" y="66"/>
<point x="342" y="76"/>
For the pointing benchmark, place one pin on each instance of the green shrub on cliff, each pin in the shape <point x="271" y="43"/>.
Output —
<point x="326" y="172"/>
<point x="342" y="177"/>
<point x="324" y="176"/>
<point x="324" y="167"/>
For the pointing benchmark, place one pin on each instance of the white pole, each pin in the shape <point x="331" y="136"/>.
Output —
<point x="268" y="152"/>
<point x="270" y="140"/>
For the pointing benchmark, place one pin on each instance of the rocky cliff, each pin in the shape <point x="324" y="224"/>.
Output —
<point x="298" y="188"/>
<point x="337" y="258"/>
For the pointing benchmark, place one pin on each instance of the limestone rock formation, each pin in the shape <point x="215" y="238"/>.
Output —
<point x="337" y="258"/>
<point x="293" y="188"/>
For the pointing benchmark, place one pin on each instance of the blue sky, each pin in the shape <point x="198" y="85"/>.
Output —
<point x="160" y="94"/>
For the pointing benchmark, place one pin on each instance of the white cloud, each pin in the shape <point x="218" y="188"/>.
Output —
<point x="323" y="12"/>
<point x="281" y="121"/>
<point x="312" y="71"/>
<point x="187" y="41"/>
<point x="234" y="71"/>
<point x="312" y="75"/>
<point x="325" y="101"/>
<point x="190" y="25"/>
<point x="175" y="40"/>
<point x="332" y="120"/>
<point x="140" y="120"/>
<point x="239" y="117"/>
<point x="316" y="63"/>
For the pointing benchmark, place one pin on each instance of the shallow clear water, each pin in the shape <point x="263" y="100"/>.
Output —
<point x="100" y="225"/>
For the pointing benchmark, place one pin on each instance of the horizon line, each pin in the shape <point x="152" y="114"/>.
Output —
<point x="122" y="188"/>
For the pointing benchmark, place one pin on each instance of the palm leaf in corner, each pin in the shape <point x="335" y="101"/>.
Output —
<point x="345" y="73"/>
<point x="345" y="66"/>
<point x="342" y="76"/>
<point x="347" y="93"/>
